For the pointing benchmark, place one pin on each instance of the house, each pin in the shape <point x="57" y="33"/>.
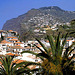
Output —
<point x="69" y="42"/>
<point x="3" y="46"/>
<point x="13" y="40"/>
<point x="9" y="38"/>
<point x="19" y="43"/>
<point x="11" y="33"/>
<point x="16" y="49"/>
<point x="5" y="43"/>
<point x="12" y="54"/>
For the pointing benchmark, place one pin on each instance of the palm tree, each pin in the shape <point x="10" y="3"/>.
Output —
<point x="53" y="63"/>
<point x="8" y="67"/>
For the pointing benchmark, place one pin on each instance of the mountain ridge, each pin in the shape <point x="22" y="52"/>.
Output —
<point x="35" y="17"/>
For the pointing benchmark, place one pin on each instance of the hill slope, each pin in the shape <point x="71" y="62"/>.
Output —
<point x="39" y="17"/>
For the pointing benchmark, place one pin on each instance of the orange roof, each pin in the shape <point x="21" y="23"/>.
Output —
<point x="1" y="30"/>
<point x="17" y="47"/>
<point x="11" y="37"/>
<point x="28" y="47"/>
<point x="10" y="30"/>
<point x="18" y="42"/>
<point x="74" y="58"/>
<point x="73" y="41"/>
<point x="11" y="54"/>
<point x="18" y="61"/>
<point x="4" y="41"/>
<point x="32" y="67"/>
<point x="39" y="45"/>
<point x="68" y="40"/>
<point x="17" y="55"/>
<point x="47" y="41"/>
<point x="0" y="63"/>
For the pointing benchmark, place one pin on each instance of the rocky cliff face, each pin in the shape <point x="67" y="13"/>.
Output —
<point x="39" y="17"/>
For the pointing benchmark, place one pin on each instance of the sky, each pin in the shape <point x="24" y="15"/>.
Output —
<point x="13" y="8"/>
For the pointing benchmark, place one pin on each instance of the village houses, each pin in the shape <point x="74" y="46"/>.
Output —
<point x="12" y="46"/>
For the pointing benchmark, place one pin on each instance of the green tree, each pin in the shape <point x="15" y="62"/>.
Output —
<point x="53" y="63"/>
<point x="8" y="67"/>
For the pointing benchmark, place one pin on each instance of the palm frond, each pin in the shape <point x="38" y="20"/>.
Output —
<point x="70" y="51"/>
<point x="43" y="55"/>
<point x="25" y="63"/>
<point x="42" y="45"/>
<point x="58" y="49"/>
<point x="52" y="44"/>
<point x="64" y="41"/>
<point x="31" y="52"/>
<point x="4" y="63"/>
<point x="40" y="49"/>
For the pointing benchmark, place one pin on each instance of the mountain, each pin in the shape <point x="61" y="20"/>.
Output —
<point x="39" y="17"/>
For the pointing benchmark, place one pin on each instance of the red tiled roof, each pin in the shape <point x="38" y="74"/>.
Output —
<point x="18" y="61"/>
<point x="11" y="37"/>
<point x="73" y="41"/>
<point x="17" y="47"/>
<point x="0" y="63"/>
<point x="4" y="41"/>
<point x="18" y="42"/>
<point x="28" y="47"/>
<point x="10" y="30"/>
<point x="38" y="45"/>
<point x="32" y="67"/>
<point x="68" y="40"/>
<point x="11" y="54"/>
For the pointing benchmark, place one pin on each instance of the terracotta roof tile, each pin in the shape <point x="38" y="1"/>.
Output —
<point x="0" y="63"/>
<point x="68" y="40"/>
<point x="10" y="30"/>
<point x="18" y="42"/>
<point x="28" y="47"/>
<point x="73" y="41"/>
<point x="4" y="41"/>
<point x="32" y="67"/>
<point x="11" y="37"/>
<point x="17" y="55"/>
<point x="39" y="46"/>
<point x="17" y="47"/>
<point x="18" y="61"/>
<point x="47" y="41"/>
<point x="11" y="54"/>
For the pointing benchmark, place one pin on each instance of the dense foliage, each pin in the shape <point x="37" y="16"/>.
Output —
<point x="53" y="62"/>
<point x="8" y="66"/>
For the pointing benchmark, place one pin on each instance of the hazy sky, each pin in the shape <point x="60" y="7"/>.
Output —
<point x="13" y="8"/>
